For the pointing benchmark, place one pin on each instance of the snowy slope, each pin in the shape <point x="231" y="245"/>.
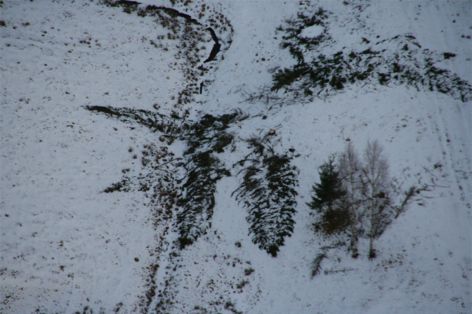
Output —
<point x="64" y="243"/>
<point x="66" y="246"/>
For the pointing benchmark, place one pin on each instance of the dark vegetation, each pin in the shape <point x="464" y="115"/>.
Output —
<point x="268" y="189"/>
<point x="179" y="189"/>
<point x="292" y="38"/>
<point x="205" y="139"/>
<point x="397" y="60"/>
<point x="268" y="192"/>
<point x="153" y="120"/>
<point x="333" y="218"/>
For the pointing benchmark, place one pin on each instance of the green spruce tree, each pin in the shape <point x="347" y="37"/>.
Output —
<point x="329" y="190"/>
<point x="327" y="195"/>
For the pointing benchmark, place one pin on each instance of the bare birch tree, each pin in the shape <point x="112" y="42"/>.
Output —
<point x="350" y="174"/>
<point x="375" y="189"/>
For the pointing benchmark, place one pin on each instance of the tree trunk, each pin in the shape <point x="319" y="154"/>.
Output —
<point x="372" y="253"/>
<point x="354" y="241"/>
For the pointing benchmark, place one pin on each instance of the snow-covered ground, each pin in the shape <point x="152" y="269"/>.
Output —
<point x="66" y="246"/>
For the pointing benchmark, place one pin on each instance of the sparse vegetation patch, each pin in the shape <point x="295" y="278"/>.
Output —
<point x="397" y="60"/>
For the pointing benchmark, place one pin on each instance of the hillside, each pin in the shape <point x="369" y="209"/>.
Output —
<point x="159" y="156"/>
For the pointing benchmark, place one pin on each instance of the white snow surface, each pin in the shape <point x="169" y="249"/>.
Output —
<point x="311" y="31"/>
<point x="65" y="245"/>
